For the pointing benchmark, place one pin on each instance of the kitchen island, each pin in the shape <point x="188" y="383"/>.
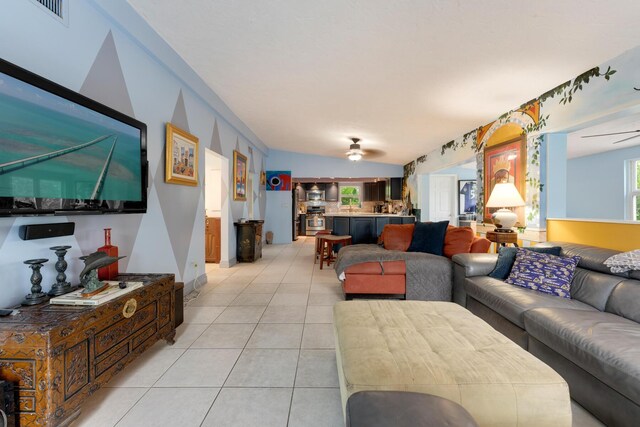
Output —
<point x="363" y="227"/>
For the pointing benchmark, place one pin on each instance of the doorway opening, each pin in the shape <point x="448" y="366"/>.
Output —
<point x="217" y="212"/>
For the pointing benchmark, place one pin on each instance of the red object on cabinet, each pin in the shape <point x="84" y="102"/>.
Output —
<point x="111" y="271"/>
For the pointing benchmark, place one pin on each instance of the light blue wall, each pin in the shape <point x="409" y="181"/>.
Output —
<point x="310" y="166"/>
<point x="555" y="174"/>
<point x="596" y="184"/>
<point x="152" y="83"/>
<point x="279" y="210"/>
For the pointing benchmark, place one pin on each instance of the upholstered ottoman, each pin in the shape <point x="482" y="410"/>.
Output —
<point x="442" y="349"/>
<point x="384" y="277"/>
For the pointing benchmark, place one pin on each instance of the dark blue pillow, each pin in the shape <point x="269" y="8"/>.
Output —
<point x="428" y="237"/>
<point x="507" y="255"/>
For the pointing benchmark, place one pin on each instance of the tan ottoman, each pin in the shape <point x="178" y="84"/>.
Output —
<point x="442" y="349"/>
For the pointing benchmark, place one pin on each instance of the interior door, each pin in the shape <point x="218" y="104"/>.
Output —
<point x="442" y="198"/>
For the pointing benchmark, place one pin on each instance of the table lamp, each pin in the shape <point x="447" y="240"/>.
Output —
<point x="503" y="196"/>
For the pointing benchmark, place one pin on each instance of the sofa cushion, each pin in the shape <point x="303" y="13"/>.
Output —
<point x="507" y="256"/>
<point x="428" y="237"/>
<point x="625" y="300"/>
<point x="397" y="237"/>
<point x="591" y="257"/>
<point x="480" y="245"/>
<point x="603" y="344"/>
<point x="593" y="288"/>
<point x="377" y="268"/>
<point x="544" y="273"/>
<point x="457" y="240"/>
<point x="511" y="302"/>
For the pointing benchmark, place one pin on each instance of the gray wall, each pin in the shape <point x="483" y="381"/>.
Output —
<point x="106" y="52"/>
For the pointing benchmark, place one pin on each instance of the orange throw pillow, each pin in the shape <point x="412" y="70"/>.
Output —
<point x="480" y="245"/>
<point x="458" y="241"/>
<point x="397" y="237"/>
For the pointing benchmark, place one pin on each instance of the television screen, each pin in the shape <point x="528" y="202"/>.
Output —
<point x="61" y="152"/>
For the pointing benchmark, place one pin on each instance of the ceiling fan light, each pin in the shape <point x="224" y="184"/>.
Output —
<point x="354" y="157"/>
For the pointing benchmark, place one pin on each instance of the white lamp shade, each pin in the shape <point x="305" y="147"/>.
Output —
<point x="505" y="195"/>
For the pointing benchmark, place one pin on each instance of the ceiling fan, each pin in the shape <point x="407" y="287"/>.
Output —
<point x="355" y="153"/>
<point x="637" y="132"/>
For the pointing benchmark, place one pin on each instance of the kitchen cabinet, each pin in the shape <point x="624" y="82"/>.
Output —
<point x="395" y="220"/>
<point x="212" y="240"/>
<point x="328" y="223"/>
<point x="381" y="192"/>
<point x="408" y="219"/>
<point x="331" y="192"/>
<point x="341" y="225"/>
<point x="395" y="188"/>
<point x="362" y="230"/>
<point x="380" y="223"/>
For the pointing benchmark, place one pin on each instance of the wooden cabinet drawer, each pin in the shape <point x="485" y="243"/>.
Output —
<point x="119" y="331"/>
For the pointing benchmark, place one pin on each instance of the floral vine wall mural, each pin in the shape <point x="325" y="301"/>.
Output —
<point x="598" y="92"/>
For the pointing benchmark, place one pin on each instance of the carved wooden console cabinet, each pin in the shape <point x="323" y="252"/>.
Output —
<point x="59" y="355"/>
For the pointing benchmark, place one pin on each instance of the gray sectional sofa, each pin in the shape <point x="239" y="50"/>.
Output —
<point x="592" y="339"/>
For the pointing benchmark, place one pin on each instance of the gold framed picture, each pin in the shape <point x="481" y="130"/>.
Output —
<point x="181" y="157"/>
<point x="239" y="176"/>
<point x="505" y="162"/>
<point x="263" y="178"/>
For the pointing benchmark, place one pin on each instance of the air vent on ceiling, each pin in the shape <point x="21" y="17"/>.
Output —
<point x="57" y="8"/>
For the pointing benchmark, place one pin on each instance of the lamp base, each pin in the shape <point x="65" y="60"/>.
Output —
<point x="504" y="219"/>
<point x="503" y="230"/>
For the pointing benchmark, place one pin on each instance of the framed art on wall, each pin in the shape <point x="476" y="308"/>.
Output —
<point x="239" y="176"/>
<point x="181" y="157"/>
<point x="505" y="162"/>
<point x="278" y="180"/>
<point x="467" y="196"/>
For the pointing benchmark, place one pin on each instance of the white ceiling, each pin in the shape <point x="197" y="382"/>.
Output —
<point x="406" y="76"/>
<point x="578" y="145"/>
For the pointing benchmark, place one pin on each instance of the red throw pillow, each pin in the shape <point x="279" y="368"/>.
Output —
<point x="458" y="241"/>
<point x="397" y="237"/>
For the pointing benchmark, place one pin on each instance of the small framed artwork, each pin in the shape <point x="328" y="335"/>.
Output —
<point x="505" y="162"/>
<point x="181" y="157"/>
<point x="239" y="176"/>
<point x="467" y="199"/>
<point x="278" y="180"/>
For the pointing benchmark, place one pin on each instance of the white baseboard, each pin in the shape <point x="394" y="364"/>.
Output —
<point x="228" y="264"/>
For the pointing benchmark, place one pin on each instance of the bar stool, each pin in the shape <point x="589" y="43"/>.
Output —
<point x="318" y="235"/>
<point x="326" y="244"/>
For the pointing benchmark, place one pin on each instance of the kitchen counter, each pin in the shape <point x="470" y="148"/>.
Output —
<point x="358" y="214"/>
<point x="363" y="227"/>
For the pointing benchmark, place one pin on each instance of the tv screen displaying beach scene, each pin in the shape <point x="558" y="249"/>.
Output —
<point x="58" y="154"/>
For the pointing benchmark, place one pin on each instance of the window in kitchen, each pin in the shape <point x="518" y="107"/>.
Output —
<point x="350" y="195"/>
<point x="633" y="190"/>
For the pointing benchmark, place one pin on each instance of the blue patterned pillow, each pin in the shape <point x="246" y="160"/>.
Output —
<point x="543" y="272"/>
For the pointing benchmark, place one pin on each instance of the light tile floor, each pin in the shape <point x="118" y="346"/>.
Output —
<point x="256" y="349"/>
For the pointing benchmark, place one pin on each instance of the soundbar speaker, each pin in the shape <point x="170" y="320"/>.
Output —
<point x="43" y="231"/>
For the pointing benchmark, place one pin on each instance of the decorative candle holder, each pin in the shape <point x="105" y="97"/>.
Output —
<point x="61" y="286"/>
<point x="36" y="296"/>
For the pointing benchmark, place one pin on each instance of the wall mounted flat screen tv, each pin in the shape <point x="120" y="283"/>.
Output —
<point x="62" y="153"/>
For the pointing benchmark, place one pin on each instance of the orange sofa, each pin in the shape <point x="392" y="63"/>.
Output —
<point x="389" y="277"/>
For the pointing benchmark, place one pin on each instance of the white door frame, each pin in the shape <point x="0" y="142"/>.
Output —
<point x="225" y="211"/>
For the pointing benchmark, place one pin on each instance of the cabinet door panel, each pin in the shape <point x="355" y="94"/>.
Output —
<point x="362" y="230"/>
<point x="341" y="226"/>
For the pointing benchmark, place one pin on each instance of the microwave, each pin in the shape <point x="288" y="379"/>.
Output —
<point x="315" y="195"/>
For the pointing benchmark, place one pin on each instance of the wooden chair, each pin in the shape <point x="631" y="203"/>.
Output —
<point x="318" y="236"/>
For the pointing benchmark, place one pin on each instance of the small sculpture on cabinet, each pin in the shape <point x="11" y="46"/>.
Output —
<point x="89" y="275"/>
